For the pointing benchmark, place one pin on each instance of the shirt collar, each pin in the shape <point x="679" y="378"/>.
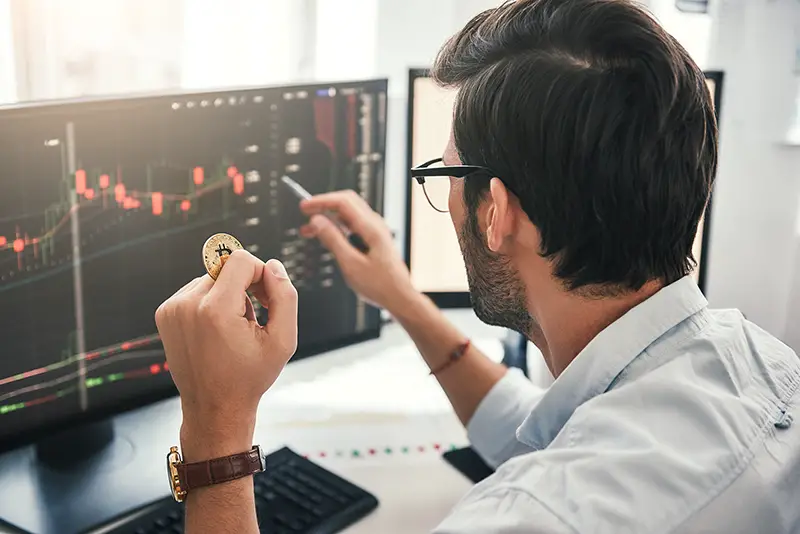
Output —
<point x="606" y="356"/>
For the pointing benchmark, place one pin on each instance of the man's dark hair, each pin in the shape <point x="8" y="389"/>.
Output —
<point x="599" y="122"/>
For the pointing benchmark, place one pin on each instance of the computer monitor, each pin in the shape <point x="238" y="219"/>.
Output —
<point x="432" y="251"/>
<point x="104" y="208"/>
<point x="702" y="243"/>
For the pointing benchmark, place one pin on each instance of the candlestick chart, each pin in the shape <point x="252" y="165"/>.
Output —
<point x="104" y="207"/>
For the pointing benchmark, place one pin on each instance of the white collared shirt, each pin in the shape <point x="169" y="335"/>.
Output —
<point x="674" y="419"/>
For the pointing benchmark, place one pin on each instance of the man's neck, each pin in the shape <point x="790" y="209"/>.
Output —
<point x="565" y="322"/>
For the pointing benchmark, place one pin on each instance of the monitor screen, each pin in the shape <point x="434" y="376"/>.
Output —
<point x="432" y="251"/>
<point x="105" y="206"/>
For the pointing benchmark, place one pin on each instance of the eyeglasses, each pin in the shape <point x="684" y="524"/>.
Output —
<point x="438" y="191"/>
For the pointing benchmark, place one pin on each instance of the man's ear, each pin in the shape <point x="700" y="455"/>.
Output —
<point x="500" y="216"/>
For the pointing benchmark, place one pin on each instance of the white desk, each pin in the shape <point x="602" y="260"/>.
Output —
<point x="311" y="410"/>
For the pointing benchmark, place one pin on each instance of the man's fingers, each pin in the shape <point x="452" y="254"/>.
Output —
<point x="333" y="239"/>
<point x="201" y="288"/>
<point x="188" y="287"/>
<point x="281" y="329"/>
<point x="197" y="287"/>
<point x="351" y="209"/>
<point x="241" y="271"/>
<point x="250" y="311"/>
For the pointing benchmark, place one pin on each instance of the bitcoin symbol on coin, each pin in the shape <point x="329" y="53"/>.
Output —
<point x="216" y="251"/>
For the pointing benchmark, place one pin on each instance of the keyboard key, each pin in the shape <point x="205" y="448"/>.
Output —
<point x="290" y="495"/>
<point x="292" y="484"/>
<point x="323" y="489"/>
<point x="305" y="505"/>
<point x="307" y="479"/>
<point x="281" y="519"/>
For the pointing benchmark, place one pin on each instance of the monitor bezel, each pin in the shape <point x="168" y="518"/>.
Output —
<point x="461" y="299"/>
<point x="47" y="430"/>
<point x="718" y="78"/>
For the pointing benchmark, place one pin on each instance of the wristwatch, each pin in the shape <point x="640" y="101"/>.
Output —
<point x="186" y="477"/>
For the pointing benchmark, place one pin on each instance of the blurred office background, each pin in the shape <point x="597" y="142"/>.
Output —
<point x="59" y="49"/>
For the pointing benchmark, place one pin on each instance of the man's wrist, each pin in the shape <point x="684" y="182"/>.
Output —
<point x="214" y="436"/>
<point x="406" y="304"/>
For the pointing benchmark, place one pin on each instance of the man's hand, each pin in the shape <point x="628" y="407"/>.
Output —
<point x="380" y="275"/>
<point x="221" y="359"/>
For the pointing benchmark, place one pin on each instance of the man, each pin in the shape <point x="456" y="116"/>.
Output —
<point x="597" y="144"/>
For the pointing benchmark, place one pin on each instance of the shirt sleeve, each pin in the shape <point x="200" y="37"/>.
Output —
<point x="492" y="430"/>
<point x="501" y="511"/>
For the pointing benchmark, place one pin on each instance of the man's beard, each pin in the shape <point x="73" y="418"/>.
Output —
<point x="496" y="291"/>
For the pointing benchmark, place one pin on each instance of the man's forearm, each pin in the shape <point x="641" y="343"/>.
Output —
<point x="227" y="508"/>
<point x="466" y="382"/>
<point x="223" y="508"/>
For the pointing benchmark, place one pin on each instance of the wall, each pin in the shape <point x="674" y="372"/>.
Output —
<point x="342" y="29"/>
<point x="693" y="30"/>
<point x="753" y="258"/>
<point x="67" y="49"/>
<point x="248" y="42"/>
<point x="54" y="49"/>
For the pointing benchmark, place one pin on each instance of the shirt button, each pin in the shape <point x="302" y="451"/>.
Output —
<point x="784" y="422"/>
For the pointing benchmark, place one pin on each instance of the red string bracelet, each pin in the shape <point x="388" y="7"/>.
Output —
<point x="454" y="357"/>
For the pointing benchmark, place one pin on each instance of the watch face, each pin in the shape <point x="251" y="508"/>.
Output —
<point x="174" y="458"/>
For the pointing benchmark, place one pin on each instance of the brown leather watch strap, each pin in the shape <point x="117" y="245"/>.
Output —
<point x="218" y="470"/>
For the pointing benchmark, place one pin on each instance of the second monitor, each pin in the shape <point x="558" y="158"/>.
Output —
<point x="432" y="250"/>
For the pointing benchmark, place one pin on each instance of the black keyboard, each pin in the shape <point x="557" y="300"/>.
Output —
<point x="293" y="496"/>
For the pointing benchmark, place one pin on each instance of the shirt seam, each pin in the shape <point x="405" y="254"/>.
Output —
<point x="700" y="324"/>
<point x="490" y="449"/>
<point x="748" y="455"/>
<point x="512" y="490"/>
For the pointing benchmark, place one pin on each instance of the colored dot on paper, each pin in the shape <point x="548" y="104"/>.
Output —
<point x="322" y="454"/>
<point x="372" y="451"/>
<point x="437" y="446"/>
<point x="421" y="448"/>
<point x="356" y="453"/>
<point x="388" y="450"/>
<point x="404" y="450"/>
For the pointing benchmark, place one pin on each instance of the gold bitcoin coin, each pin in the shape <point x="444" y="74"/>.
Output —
<point x="216" y="251"/>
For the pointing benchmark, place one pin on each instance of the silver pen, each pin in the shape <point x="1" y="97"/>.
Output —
<point x="301" y="193"/>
